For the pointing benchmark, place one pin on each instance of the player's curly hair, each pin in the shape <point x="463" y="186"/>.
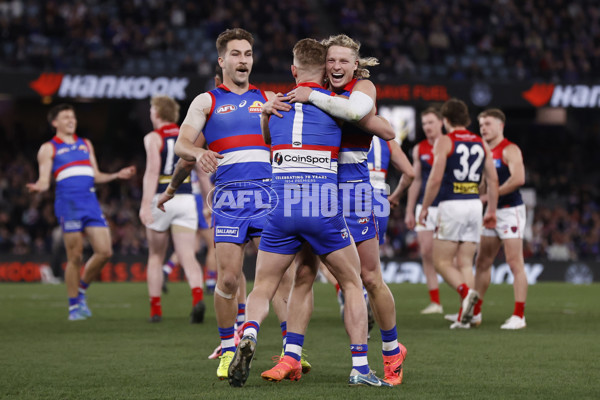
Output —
<point x="456" y="112"/>
<point x="167" y="108"/>
<point x="363" y="62"/>
<point x="232" y="34"/>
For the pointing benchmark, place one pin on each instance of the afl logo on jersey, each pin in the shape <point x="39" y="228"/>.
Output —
<point x="278" y="158"/>
<point x="227" y="108"/>
<point x="256" y="107"/>
<point x="363" y="220"/>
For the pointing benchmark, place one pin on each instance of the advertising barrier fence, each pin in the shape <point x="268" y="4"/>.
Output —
<point x="133" y="269"/>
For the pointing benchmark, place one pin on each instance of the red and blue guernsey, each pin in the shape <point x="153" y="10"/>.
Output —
<point x="233" y="130"/>
<point x="305" y="145"/>
<point x="355" y="146"/>
<point x="425" y="150"/>
<point x="356" y="192"/>
<point x="379" y="160"/>
<point x="463" y="167"/>
<point x="510" y="199"/>
<point x="168" y="159"/>
<point x="76" y="205"/>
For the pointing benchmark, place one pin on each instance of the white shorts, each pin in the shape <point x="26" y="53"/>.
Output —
<point x="459" y="220"/>
<point x="181" y="210"/>
<point x="430" y="221"/>
<point x="510" y="225"/>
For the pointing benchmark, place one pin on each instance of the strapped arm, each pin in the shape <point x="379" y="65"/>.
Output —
<point x="352" y="109"/>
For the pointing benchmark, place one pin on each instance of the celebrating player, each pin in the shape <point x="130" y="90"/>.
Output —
<point x="72" y="162"/>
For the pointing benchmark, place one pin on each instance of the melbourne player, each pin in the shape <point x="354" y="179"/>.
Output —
<point x="180" y="218"/>
<point x="511" y="217"/>
<point x="72" y="162"/>
<point x="305" y="145"/>
<point x="461" y="159"/>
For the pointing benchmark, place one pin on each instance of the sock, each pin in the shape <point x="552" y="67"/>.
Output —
<point x="251" y="328"/>
<point x="82" y="287"/>
<point x="293" y="348"/>
<point x="477" y="309"/>
<point x="365" y="294"/>
<point x="359" y="358"/>
<point x="155" y="307"/>
<point x="197" y="295"/>
<point x="227" y="340"/>
<point x="168" y="267"/>
<point x="283" y="326"/>
<point x="463" y="290"/>
<point x="337" y="287"/>
<point x="519" y="309"/>
<point x="72" y="303"/>
<point x="241" y="315"/>
<point x="434" y="296"/>
<point x="389" y="342"/>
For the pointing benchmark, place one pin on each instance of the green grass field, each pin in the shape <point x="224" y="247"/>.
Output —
<point x="118" y="355"/>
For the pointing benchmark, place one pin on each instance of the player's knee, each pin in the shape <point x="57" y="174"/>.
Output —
<point x="228" y="283"/>
<point x="105" y="254"/>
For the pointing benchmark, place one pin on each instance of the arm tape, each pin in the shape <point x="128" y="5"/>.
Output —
<point x="352" y="109"/>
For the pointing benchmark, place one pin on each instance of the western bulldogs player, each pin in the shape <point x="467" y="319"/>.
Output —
<point x="72" y="162"/>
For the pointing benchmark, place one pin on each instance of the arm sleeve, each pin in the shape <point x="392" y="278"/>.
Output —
<point x="352" y="109"/>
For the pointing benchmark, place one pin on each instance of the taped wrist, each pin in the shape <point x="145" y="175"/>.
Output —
<point x="352" y="109"/>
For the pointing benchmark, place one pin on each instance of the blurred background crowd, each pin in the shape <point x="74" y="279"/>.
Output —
<point x="533" y="40"/>
<point x="550" y="40"/>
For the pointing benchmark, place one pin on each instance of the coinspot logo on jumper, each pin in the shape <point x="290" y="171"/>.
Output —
<point x="243" y="200"/>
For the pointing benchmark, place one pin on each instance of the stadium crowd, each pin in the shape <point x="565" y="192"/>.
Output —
<point x="460" y="39"/>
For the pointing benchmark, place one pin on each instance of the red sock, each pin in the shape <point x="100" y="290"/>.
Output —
<point x="197" y="295"/>
<point x="477" y="309"/>
<point x="155" y="307"/>
<point x="337" y="288"/>
<point x="434" y="296"/>
<point x="519" y="309"/>
<point x="463" y="290"/>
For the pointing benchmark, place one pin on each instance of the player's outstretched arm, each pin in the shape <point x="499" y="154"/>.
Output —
<point x="104" y="177"/>
<point x="359" y="108"/>
<point x="44" y="157"/>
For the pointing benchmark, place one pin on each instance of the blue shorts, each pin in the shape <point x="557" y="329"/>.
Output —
<point x="75" y="213"/>
<point x="284" y="233"/>
<point x="239" y="211"/>
<point x="202" y="224"/>
<point x="356" y="200"/>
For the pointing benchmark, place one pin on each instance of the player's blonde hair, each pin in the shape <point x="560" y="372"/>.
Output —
<point x="166" y="107"/>
<point x="346" y="41"/>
